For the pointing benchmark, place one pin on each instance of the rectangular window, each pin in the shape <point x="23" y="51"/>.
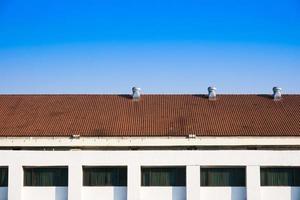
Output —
<point x="104" y="176"/>
<point x="46" y="176"/>
<point x="3" y="176"/>
<point x="163" y="176"/>
<point x="223" y="176"/>
<point x="280" y="176"/>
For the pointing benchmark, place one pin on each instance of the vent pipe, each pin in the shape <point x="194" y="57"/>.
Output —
<point x="277" y="93"/>
<point x="136" y="93"/>
<point x="212" y="93"/>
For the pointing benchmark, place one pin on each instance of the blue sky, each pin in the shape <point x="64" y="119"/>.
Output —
<point x="107" y="46"/>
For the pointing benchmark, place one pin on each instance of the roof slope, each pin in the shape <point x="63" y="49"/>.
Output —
<point x="153" y="115"/>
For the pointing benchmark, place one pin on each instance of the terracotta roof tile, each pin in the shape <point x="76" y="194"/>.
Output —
<point x="153" y="115"/>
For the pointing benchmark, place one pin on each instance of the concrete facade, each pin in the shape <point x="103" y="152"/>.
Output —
<point x="134" y="159"/>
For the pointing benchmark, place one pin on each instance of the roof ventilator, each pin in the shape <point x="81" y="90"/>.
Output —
<point x="277" y="93"/>
<point x="136" y="93"/>
<point x="212" y="93"/>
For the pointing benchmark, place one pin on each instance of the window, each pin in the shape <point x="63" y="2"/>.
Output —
<point x="280" y="176"/>
<point x="3" y="176"/>
<point x="46" y="176"/>
<point x="163" y="176"/>
<point x="105" y="176"/>
<point x="223" y="176"/>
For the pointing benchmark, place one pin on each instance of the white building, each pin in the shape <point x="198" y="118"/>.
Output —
<point x="150" y="147"/>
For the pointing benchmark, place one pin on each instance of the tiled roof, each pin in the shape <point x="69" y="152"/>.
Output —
<point x="152" y="115"/>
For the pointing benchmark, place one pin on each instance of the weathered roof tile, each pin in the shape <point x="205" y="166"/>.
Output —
<point x="152" y="115"/>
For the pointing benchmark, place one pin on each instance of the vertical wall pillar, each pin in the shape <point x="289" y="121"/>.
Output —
<point x="192" y="182"/>
<point x="75" y="182"/>
<point x="134" y="182"/>
<point x="253" y="182"/>
<point x="15" y="182"/>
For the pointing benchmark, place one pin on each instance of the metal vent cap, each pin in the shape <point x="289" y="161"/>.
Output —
<point x="212" y="93"/>
<point x="277" y="93"/>
<point x="136" y="93"/>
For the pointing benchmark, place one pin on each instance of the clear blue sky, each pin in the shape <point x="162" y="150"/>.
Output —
<point x="163" y="46"/>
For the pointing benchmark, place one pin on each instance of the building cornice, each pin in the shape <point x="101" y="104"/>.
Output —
<point x="147" y="141"/>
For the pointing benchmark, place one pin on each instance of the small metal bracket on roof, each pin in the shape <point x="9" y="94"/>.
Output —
<point x="75" y="149"/>
<point x="75" y="136"/>
<point x="191" y="136"/>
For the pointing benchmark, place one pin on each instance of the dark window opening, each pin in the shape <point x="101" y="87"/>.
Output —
<point x="46" y="176"/>
<point x="3" y="176"/>
<point x="280" y="176"/>
<point x="223" y="176"/>
<point x="163" y="176"/>
<point x="104" y="176"/>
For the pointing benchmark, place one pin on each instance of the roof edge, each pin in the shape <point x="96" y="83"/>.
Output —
<point x="146" y="141"/>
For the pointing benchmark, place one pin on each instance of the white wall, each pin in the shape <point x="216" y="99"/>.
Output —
<point x="45" y="193"/>
<point x="104" y="193"/>
<point x="3" y="193"/>
<point x="147" y="141"/>
<point x="253" y="182"/>
<point x="163" y="193"/>
<point x="151" y="158"/>
<point x="134" y="160"/>
<point x="271" y="193"/>
<point x="223" y="193"/>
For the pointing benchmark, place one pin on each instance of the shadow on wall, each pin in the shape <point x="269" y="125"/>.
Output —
<point x="178" y="193"/>
<point x="61" y="193"/>
<point x="295" y="193"/>
<point x="3" y="193"/>
<point x="120" y="193"/>
<point x="238" y="193"/>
